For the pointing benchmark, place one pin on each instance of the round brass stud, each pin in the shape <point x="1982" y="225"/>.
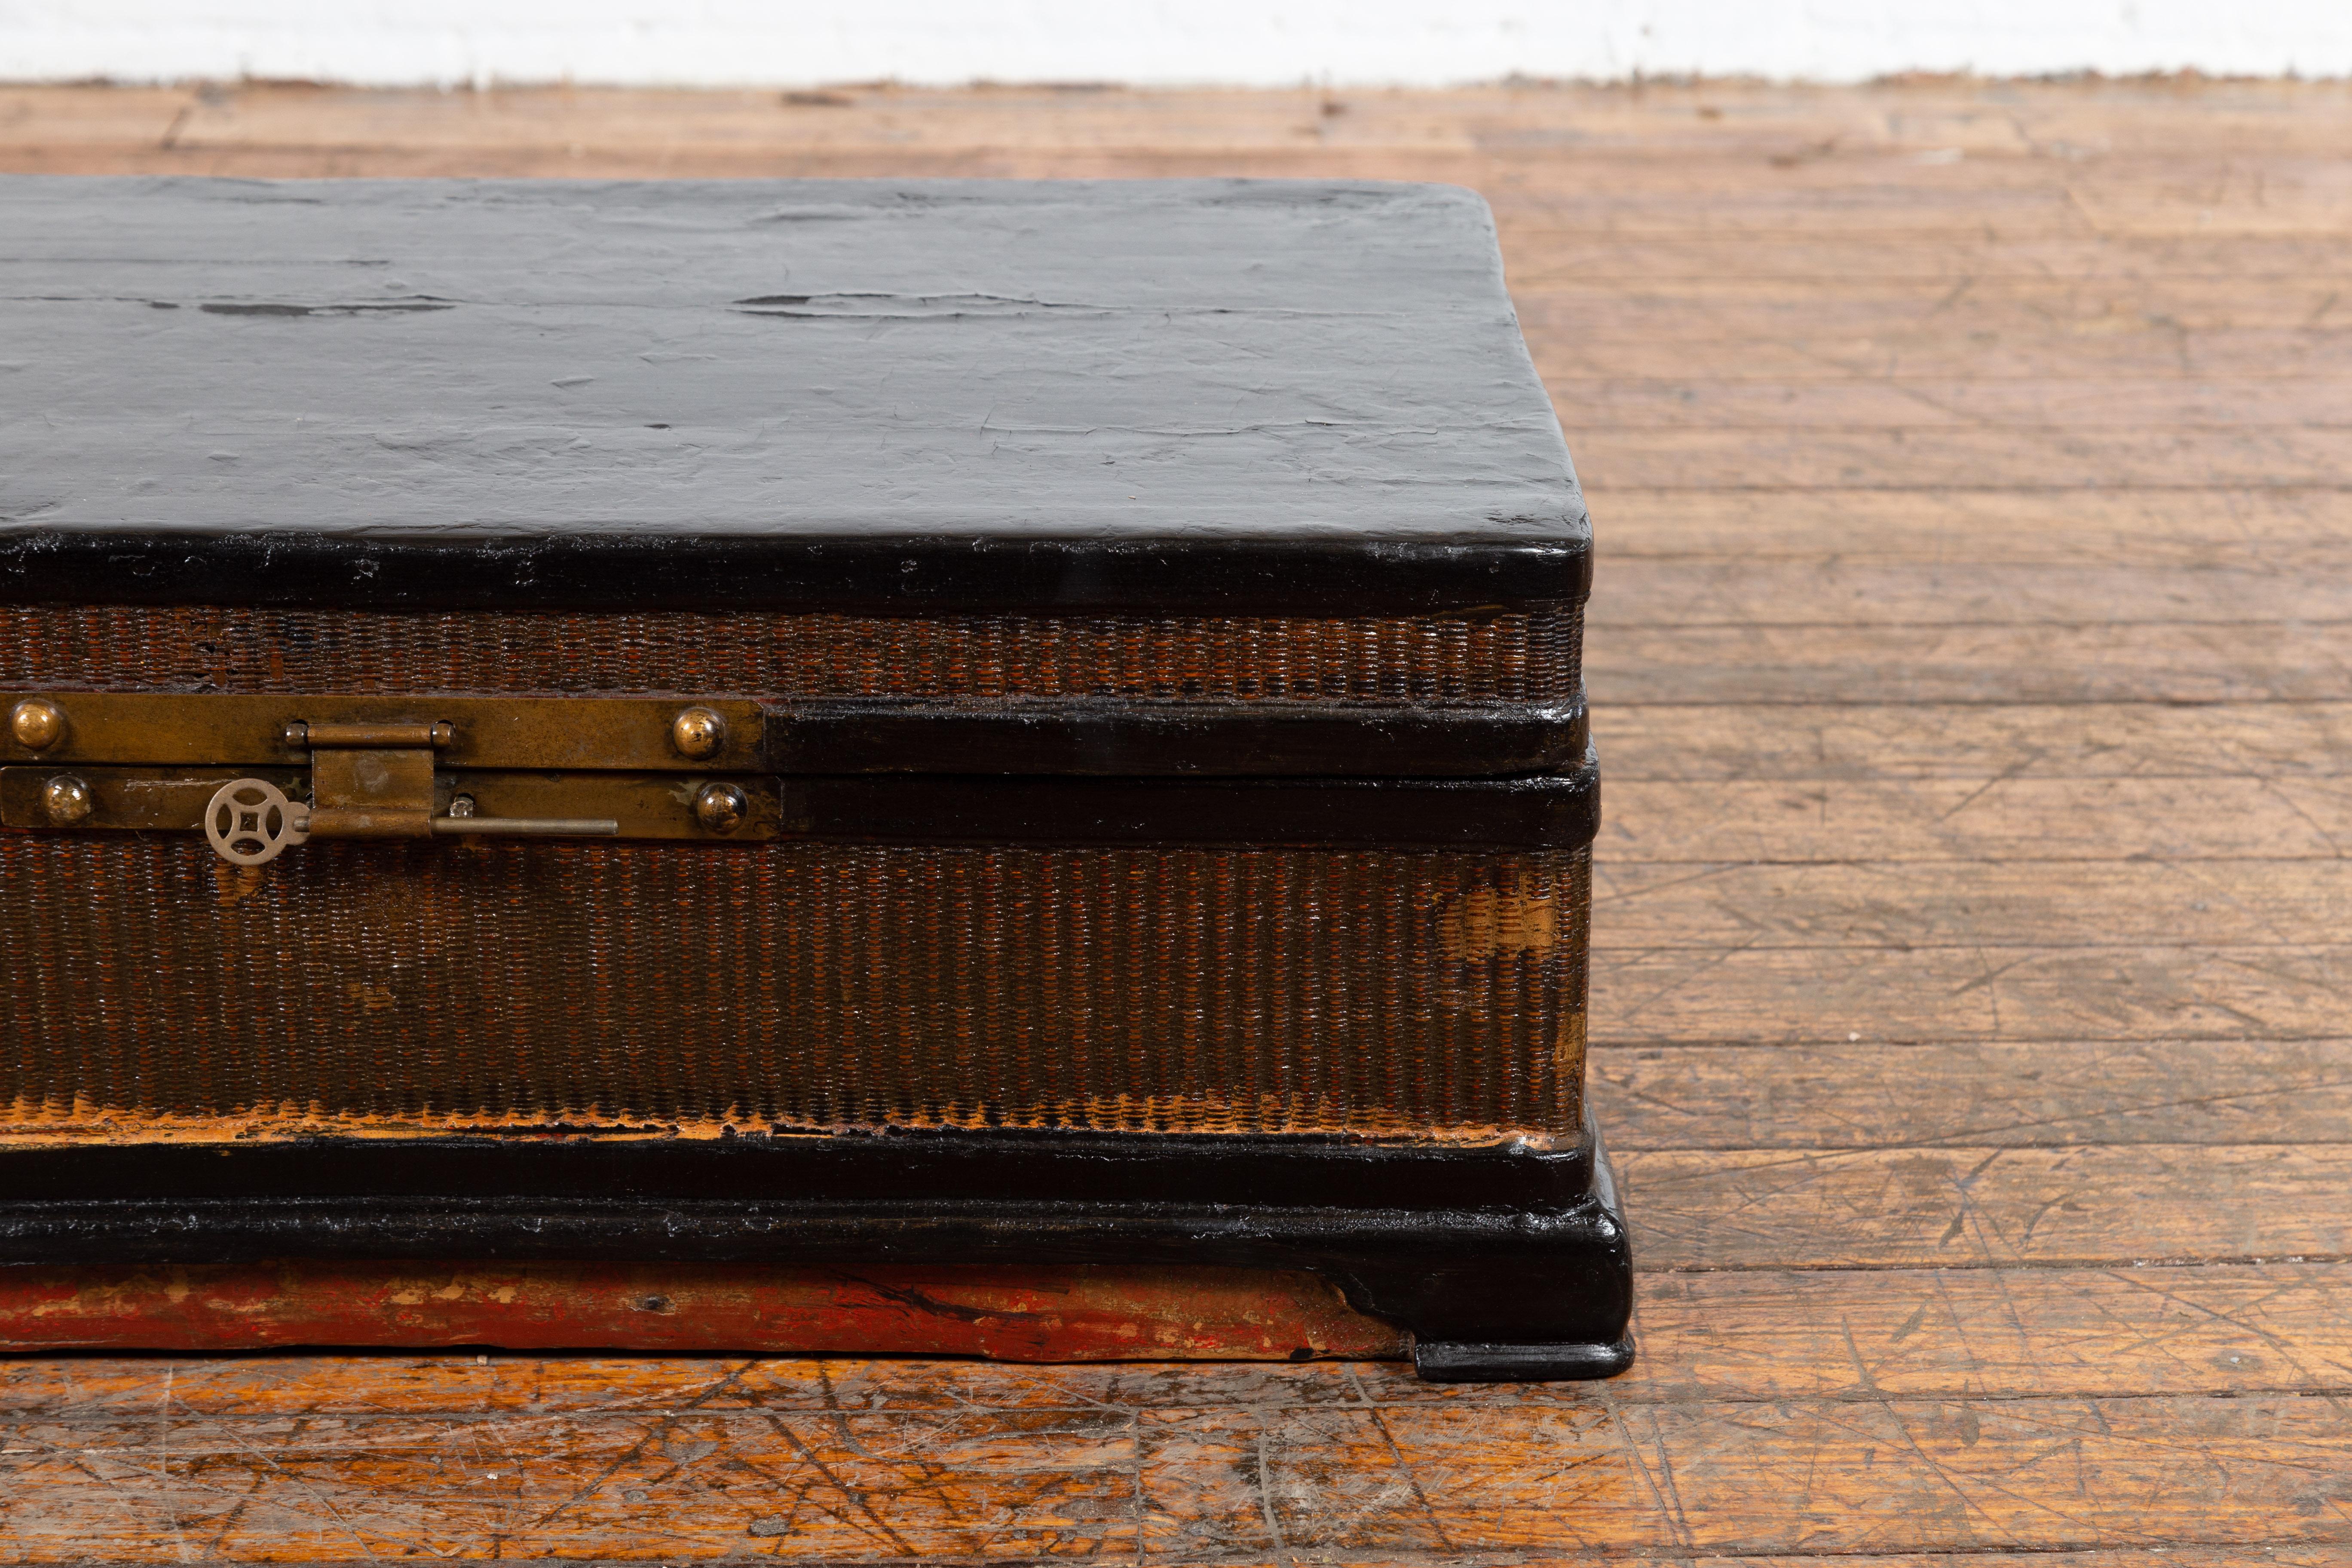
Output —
<point x="698" y="732"/>
<point x="37" y="724"/>
<point x="720" y="807"/>
<point x="67" y="800"/>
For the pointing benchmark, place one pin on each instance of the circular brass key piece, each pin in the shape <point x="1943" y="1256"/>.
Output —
<point x="37" y="724"/>
<point x="698" y="732"/>
<point x="67" y="800"/>
<point x="249" y="821"/>
<point x="721" y="807"/>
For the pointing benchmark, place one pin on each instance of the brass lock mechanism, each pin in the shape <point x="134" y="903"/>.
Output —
<point x="367" y="780"/>
<point x="367" y="767"/>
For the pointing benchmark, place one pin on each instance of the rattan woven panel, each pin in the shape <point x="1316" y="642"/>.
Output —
<point x="1439" y="661"/>
<point x="157" y="992"/>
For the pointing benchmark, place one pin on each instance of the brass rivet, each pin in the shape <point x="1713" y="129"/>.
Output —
<point x="37" y="724"/>
<point x="67" y="800"/>
<point x="720" y="807"/>
<point x="698" y="732"/>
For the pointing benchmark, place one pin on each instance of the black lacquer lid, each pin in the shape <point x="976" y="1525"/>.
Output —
<point x="926" y="394"/>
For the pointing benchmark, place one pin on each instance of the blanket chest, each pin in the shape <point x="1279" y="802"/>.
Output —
<point x="814" y="724"/>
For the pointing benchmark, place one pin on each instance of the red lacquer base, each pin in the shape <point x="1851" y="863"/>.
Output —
<point x="1071" y="1313"/>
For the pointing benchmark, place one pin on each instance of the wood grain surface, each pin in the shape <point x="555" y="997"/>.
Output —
<point x="1970" y="653"/>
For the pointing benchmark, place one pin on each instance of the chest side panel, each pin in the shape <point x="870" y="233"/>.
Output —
<point x="414" y="989"/>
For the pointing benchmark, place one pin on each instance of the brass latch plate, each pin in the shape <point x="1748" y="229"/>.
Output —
<point x="260" y="774"/>
<point x="641" y="805"/>
<point x="208" y="729"/>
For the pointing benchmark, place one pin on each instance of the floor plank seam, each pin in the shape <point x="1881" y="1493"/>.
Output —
<point x="2019" y="1265"/>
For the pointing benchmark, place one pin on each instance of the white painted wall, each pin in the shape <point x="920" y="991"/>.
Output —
<point x="1246" y="42"/>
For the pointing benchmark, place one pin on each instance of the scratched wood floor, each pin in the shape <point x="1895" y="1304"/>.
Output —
<point x="1969" y="652"/>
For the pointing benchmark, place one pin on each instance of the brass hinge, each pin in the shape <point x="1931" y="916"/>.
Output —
<point x="259" y="774"/>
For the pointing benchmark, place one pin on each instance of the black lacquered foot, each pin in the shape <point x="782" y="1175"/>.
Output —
<point x="1521" y="1364"/>
<point x="1503" y="1293"/>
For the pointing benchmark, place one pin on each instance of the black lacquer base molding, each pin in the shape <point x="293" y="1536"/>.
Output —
<point x="1505" y="1264"/>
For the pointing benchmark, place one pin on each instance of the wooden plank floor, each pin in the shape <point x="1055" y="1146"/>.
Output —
<point x="1970" y="653"/>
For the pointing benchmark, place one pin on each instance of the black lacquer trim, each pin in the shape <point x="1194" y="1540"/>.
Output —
<point x="934" y="1168"/>
<point x="1551" y="812"/>
<point x="1257" y="740"/>
<point x="927" y="575"/>
<point x="1545" y="812"/>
